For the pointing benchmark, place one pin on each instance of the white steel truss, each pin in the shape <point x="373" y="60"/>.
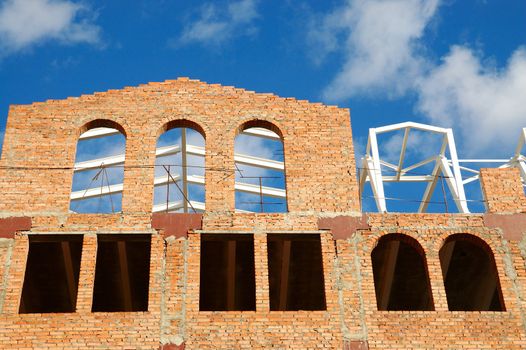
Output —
<point x="118" y="160"/>
<point x="518" y="160"/>
<point x="451" y="169"/>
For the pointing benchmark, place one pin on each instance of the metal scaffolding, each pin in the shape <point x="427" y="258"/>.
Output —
<point x="446" y="166"/>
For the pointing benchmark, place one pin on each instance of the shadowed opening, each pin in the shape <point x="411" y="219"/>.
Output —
<point x="401" y="279"/>
<point x="295" y="266"/>
<point x="52" y="274"/>
<point x="227" y="273"/>
<point x="470" y="275"/>
<point x="122" y="273"/>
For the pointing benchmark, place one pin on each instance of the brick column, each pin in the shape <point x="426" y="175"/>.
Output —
<point x="156" y="273"/>
<point x="503" y="191"/>
<point x="436" y="278"/>
<point x="193" y="261"/>
<point x="87" y="273"/>
<point x="137" y="194"/>
<point x="220" y="177"/>
<point x="261" y="270"/>
<point x="17" y="271"/>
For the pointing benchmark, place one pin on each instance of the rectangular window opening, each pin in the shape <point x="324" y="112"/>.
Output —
<point x="296" y="279"/>
<point x="52" y="274"/>
<point x="122" y="273"/>
<point x="228" y="281"/>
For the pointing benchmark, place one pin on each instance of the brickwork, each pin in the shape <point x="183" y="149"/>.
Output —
<point x="503" y="190"/>
<point x="322" y="199"/>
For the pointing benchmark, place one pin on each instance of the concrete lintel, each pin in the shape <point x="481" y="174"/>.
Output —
<point x="343" y="227"/>
<point x="97" y="232"/>
<point x="8" y="226"/>
<point x="273" y="232"/>
<point x="513" y="226"/>
<point x="355" y="345"/>
<point x="177" y="224"/>
<point x="172" y="347"/>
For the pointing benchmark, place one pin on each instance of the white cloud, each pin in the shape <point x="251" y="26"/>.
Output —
<point x="379" y="40"/>
<point x="384" y="55"/>
<point x="25" y="23"/>
<point x="487" y="105"/>
<point x="216" y="25"/>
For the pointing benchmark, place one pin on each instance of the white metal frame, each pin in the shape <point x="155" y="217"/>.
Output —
<point x="163" y="180"/>
<point x="451" y="169"/>
<point x="448" y="168"/>
<point x="518" y="160"/>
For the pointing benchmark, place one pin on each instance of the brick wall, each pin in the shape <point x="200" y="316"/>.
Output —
<point x="503" y="190"/>
<point x="321" y="184"/>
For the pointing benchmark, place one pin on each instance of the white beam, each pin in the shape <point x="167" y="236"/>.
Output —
<point x="375" y="172"/>
<point x="413" y="125"/>
<point x="98" y="132"/>
<point x="261" y="132"/>
<point x="419" y="164"/>
<point x="428" y="194"/>
<point x="457" y="176"/>
<point x="266" y="191"/>
<point x="402" y="154"/>
<point x="376" y="185"/>
<point x="452" y="183"/>
<point x="175" y="205"/>
<point x="95" y="192"/>
<point x="259" y="162"/>
<point x="97" y="163"/>
<point x="520" y="144"/>
<point x="389" y="165"/>
<point x="407" y="178"/>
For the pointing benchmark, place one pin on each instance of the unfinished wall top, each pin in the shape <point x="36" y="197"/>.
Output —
<point x="40" y="141"/>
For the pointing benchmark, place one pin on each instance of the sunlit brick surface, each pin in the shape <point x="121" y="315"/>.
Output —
<point x="321" y="183"/>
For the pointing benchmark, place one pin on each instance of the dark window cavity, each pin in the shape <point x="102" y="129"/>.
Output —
<point x="295" y="272"/>
<point x="122" y="273"/>
<point x="401" y="279"/>
<point x="227" y="273"/>
<point x="52" y="274"/>
<point x="470" y="275"/>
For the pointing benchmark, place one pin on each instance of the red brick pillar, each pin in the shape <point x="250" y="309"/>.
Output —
<point x="503" y="190"/>
<point x="17" y="271"/>
<point x="261" y="265"/>
<point x="87" y="273"/>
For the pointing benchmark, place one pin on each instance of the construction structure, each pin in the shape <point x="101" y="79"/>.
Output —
<point x="174" y="253"/>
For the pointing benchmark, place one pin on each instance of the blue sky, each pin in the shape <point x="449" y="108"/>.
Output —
<point x="459" y="64"/>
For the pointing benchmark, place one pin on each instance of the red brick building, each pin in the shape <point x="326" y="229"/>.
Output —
<point x="321" y="275"/>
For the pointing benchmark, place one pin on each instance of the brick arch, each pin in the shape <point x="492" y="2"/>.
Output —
<point x="474" y="235"/>
<point x="260" y="123"/>
<point x="408" y="235"/>
<point x="181" y="123"/>
<point x="102" y="123"/>
<point x="402" y="237"/>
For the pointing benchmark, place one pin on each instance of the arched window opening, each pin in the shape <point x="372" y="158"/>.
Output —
<point x="401" y="279"/>
<point x="98" y="173"/>
<point x="470" y="275"/>
<point x="260" y="169"/>
<point x="180" y="171"/>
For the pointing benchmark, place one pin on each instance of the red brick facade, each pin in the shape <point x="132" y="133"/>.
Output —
<point x="322" y="197"/>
